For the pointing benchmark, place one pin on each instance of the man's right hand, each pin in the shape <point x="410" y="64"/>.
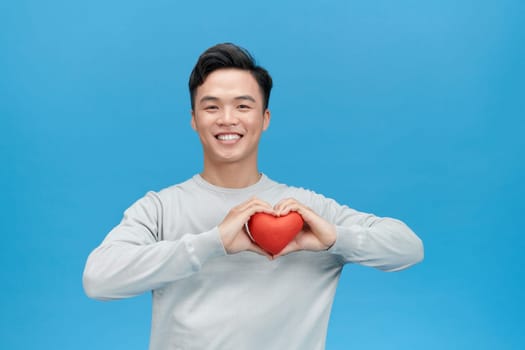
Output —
<point x="234" y="237"/>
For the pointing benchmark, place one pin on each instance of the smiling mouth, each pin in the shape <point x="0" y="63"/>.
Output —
<point x="228" y="137"/>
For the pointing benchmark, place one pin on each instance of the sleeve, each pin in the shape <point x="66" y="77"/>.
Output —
<point x="132" y="259"/>
<point x="384" y="243"/>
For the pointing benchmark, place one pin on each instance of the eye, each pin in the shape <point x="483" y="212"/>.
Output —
<point x="244" y="107"/>
<point x="211" y="108"/>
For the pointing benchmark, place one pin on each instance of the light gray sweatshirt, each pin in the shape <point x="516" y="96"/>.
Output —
<point x="168" y="243"/>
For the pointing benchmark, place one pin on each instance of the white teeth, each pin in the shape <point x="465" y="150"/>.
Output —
<point x="227" y="137"/>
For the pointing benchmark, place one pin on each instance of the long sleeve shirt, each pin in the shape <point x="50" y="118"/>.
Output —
<point x="203" y="298"/>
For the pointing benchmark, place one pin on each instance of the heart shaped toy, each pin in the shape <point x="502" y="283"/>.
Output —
<point x="273" y="233"/>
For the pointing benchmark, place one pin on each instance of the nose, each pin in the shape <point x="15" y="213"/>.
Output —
<point x="228" y="118"/>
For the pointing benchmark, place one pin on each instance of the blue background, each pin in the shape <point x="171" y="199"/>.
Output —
<point x="411" y="109"/>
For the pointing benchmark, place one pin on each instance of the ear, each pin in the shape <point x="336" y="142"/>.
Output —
<point x="193" y="125"/>
<point x="266" y="119"/>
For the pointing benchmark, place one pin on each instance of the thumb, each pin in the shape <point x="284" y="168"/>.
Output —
<point x="291" y="247"/>
<point x="256" y="249"/>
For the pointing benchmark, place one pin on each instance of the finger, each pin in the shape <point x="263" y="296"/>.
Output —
<point x="244" y="214"/>
<point x="238" y="216"/>
<point x="290" y="248"/>
<point x="256" y="207"/>
<point x="286" y="206"/>
<point x="284" y="202"/>
<point x="251" y="202"/>
<point x="256" y="249"/>
<point x="292" y="205"/>
<point x="280" y="205"/>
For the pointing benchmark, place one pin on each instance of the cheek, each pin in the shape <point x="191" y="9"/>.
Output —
<point x="257" y="125"/>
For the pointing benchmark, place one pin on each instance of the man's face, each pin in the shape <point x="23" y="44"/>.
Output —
<point x="229" y="117"/>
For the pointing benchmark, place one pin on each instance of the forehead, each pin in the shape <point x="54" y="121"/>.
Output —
<point x="229" y="83"/>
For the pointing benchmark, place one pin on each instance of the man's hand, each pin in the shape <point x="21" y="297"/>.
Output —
<point x="317" y="234"/>
<point x="232" y="231"/>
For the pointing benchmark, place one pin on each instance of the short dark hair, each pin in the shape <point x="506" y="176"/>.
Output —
<point x="228" y="55"/>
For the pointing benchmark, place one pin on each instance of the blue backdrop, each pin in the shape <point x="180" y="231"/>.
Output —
<point x="411" y="109"/>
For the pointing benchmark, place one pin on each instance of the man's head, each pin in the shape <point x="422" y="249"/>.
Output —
<point x="228" y="55"/>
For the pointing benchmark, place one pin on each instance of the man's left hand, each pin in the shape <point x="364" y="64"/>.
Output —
<point x="317" y="233"/>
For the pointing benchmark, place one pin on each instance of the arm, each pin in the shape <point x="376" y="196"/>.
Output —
<point x="383" y="243"/>
<point x="133" y="259"/>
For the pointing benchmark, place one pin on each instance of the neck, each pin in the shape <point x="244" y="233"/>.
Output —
<point x="231" y="175"/>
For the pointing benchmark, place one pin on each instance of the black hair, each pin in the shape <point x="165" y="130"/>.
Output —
<point x="228" y="55"/>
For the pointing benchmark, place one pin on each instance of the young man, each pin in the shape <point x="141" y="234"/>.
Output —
<point x="213" y="287"/>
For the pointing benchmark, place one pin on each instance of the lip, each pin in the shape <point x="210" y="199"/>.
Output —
<point x="235" y="139"/>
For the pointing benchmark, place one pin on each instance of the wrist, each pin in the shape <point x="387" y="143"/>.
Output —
<point x="332" y="237"/>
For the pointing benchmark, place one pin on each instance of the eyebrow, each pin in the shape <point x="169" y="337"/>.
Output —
<point x="208" y="98"/>
<point x="213" y="98"/>
<point x="245" y="97"/>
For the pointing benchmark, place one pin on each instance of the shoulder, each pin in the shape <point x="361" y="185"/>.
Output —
<point x="159" y="198"/>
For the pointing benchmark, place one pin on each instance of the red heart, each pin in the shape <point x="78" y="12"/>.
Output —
<point x="273" y="233"/>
